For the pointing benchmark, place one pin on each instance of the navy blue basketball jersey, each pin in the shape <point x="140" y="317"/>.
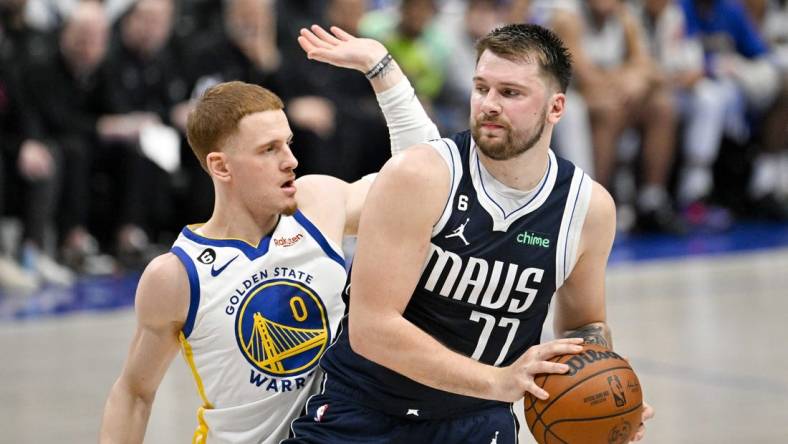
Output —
<point x="487" y="282"/>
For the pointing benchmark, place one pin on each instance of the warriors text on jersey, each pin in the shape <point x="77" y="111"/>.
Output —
<point x="259" y="320"/>
<point x="496" y="258"/>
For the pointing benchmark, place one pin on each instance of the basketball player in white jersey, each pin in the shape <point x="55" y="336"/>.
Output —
<point x="252" y="296"/>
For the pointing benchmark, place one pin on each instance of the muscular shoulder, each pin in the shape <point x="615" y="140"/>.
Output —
<point x="419" y="165"/>
<point x="315" y="189"/>
<point x="163" y="292"/>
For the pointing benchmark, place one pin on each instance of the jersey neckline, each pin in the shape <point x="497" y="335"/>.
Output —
<point x="501" y="219"/>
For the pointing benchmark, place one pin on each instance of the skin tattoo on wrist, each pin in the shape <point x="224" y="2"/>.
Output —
<point x="592" y="334"/>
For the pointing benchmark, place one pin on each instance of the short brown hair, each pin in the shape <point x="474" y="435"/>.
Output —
<point x="218" y="112"/>
<point x="524" y="41"/>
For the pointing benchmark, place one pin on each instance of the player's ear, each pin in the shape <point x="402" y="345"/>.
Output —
<point x="556" y="107"/>
<point x="216" y="163"/>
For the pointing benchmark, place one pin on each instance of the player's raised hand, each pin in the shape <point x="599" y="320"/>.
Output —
<point x="518" y="378"/>
<point x="340" y="48"/>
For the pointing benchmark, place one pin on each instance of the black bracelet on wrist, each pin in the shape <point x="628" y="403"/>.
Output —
<point x="378" y="68"/>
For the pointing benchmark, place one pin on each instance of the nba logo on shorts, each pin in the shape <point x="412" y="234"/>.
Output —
<point x="618" y="390"/>
<point x="320" y="412"/>
<point x="282" y="328"/>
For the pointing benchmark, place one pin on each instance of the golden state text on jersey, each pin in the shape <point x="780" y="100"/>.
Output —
<point x="260" y="318"/>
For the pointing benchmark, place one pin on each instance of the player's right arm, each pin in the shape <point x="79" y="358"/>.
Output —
<point x="161" y="305"/>
<point x="395" y="232"/>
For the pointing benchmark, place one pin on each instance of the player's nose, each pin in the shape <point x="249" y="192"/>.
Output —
<point x="289" y="161"/>
<point x="491" y="103"/>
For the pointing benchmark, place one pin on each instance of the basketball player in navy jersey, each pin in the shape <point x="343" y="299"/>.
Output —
<point x="463" y="244"/>
<point x="252" y="297"/>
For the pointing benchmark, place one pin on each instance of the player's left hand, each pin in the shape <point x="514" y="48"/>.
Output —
<point x="340" y="48"/>
<point x="648" y="413"/>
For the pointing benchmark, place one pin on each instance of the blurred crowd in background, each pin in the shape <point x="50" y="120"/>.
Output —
<point x="679" y="108"/>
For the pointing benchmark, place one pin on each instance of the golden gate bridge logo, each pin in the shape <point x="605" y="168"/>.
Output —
<point x="282" y="328"/>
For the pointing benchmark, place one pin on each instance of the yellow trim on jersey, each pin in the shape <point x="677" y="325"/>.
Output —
<point x="189" y="356"/>
<point x="201" y="434"/>
<point x="194" y="227"/>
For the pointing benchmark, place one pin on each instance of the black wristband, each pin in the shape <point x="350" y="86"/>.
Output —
<point x="378" y="68"/>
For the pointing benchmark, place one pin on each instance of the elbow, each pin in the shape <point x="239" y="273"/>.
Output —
<point x="364" y="339"/>
<point x="360" y="340"/>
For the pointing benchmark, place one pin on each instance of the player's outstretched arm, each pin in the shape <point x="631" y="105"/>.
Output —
<point x="403" y="204"/>
<point x="406" y="118"/>
<point x="161" y="305"/>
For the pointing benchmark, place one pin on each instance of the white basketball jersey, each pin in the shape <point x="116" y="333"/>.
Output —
<point x="259" y="320"/>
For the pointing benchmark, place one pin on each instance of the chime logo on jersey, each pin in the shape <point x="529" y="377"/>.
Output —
<point x="282" y="328"/>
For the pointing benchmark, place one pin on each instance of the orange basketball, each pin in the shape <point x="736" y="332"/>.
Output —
<point x="597" y="401"/>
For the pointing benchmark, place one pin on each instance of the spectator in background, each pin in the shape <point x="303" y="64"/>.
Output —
<point x="247" y="51"/>
<point x="21" y="42"/>
<point x="28" y="182"/>
<point x="572" y="135"/>
<point x="463" y="23"/>
<point x="68" y="98"/>
<point x="702" y="104"/>
<point x="418" y="46"/>
<point x="623" y="88"/>
<point x="735" y="53"/>
<point x="357" y="124"/>
<point x="146" y="81"/>
<point x="771" y="19"/>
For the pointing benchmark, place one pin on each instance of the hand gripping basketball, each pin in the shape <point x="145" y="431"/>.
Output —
<point x="598" y="401"/>
<point x="518" y="378"/>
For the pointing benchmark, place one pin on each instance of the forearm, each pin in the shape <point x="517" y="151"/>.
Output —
<point x="399" y="345"/>
<point x="593" y="333"/>
<point x="125" y="416"/>
<point x="407" y="120"/>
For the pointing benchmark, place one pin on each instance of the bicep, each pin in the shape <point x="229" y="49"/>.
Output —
<point x="161" y="304"/>
<point x="394" y="233"/>
<point x="355" y="197"/>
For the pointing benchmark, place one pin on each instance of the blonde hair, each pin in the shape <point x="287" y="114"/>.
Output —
<point x="218" y="111"/>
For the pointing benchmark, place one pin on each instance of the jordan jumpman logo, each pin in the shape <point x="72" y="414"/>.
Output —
<point x="460" y="232"/>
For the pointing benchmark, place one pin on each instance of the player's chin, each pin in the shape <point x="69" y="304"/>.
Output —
<point x="290" y="208"/>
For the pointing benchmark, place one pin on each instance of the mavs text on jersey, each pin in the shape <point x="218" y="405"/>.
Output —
<point x="496" y="258"/>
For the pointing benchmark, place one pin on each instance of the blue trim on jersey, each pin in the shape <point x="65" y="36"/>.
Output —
<point x="248" y="250"/>
<point x="194" y="289"/>
<point x="453" y="173"/>
<point x="569" y="225"/>
<point x="544" y="182"/>
<point x="318" y="236"/>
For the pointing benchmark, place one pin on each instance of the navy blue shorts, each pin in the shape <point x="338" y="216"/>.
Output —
<point x="333" y="420"/>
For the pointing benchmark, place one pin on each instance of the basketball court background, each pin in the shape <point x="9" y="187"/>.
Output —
<point x="702" y="318"/>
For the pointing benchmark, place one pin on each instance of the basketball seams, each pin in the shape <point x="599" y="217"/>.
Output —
<point x="569" y="389"/>
<point x="593" y="418"/>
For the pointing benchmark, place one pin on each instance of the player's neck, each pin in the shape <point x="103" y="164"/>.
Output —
<point x="229" y="222"/>
<point x="523" y="172"/>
